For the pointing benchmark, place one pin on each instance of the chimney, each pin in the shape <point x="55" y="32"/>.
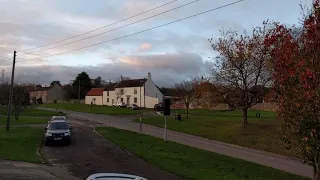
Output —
<point x="149" y="76"/>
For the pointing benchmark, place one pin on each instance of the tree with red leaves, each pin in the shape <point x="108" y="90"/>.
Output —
<point x="296" y="72"/>
<point x="241" y="71"/>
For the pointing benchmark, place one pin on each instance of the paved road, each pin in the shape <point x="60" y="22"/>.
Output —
<point x="90" y="153"/>
<point x="259" y="157"/>
<point x="13" y="170"/>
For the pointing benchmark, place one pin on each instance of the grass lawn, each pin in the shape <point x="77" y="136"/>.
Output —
<point x="31" y="112"/>
<point x="261" y="133"/>
<point x="95" y="109"/>
<point x="20" y="144"/>
<point x="188" y="162"/>
<point x="24" y="120"/>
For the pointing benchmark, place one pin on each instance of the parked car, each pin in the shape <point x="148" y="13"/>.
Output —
<point x="158" y="107"/>
<point x="120" y="104"/>
<point x="58" y="131"/>
<point x="113" y="176"/>
<point x="133" y="107"/>
<point x="57" y="118"/>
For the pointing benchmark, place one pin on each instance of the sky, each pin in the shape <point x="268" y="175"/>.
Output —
<point x="172" y="53"/>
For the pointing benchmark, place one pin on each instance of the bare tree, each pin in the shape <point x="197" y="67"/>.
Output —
<point x="186" y="90"/>
<point x="20" y="99"/>
<point x="119" y="93"/>
<point x="242" y="67"/>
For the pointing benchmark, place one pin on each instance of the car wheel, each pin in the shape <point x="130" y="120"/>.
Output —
<point x="46" y="143"/>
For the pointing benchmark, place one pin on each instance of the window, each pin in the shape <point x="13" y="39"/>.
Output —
<point x="135" y="100"/>
<point x="108" y="94"/>
<point x="121" y="100"/>
<point x="107" y="99"/>
<point x="135" y="91"/>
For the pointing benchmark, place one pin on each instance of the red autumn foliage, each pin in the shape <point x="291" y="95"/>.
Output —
<point x="296" y="72"/>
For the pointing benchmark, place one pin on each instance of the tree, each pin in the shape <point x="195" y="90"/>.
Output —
<point x="186" y="90"/>
<point x="122" y="78"/>
<point x="97" y="82"/>
<point x="241" y="66"/>
<point x="119" y="93"/>
<point x="55" y="82"/>
<point x="85" y="84"/>
<point x="296" y="64"/>
<point x="20" y="99"/>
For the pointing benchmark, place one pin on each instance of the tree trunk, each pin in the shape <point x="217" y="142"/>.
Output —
<point x="316" y="171"/>
<point x="245" y="116"/>
<point x="187" y="111"/>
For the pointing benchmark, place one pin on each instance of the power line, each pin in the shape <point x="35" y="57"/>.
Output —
<point x="178" y="7"/>
<point x="104" y="26"/>
<point x="139" y="32"/>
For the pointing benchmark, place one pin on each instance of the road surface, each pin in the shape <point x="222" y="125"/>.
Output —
<point x="90" y="153"/>
<point x="260" y="157"/>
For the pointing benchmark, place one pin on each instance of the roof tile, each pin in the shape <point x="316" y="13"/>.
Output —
<point x="95" y="92"/>
<point x="131" y="83"/>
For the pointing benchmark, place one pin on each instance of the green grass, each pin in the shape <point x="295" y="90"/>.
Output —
<point x="95" y="109"/>
<point x="24" y="120"/>
<point x="20" y="144"/>
<point x="261" y="133"/>
<point x="31" y="112"/>
<point x="188" y="162"/>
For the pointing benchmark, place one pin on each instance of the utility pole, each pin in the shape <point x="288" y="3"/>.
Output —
<point x="2" y="76"/>
<point x="79" y="91"/>
<point x="11" y="91"/>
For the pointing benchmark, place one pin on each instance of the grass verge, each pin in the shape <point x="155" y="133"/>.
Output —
<point x="261" y="133"/>
<point x="188" y="162"/>
<point x="31" y="112"/>
<point x="20" y="144"/>
<point x="24" y="120"/>
<point x="95" y="109"/>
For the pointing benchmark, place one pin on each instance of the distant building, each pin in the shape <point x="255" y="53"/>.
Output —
<point x="48" y="94"/>
<point x="142" y="92"/>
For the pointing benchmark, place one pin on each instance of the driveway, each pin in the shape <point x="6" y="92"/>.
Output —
<point x="90" y="153"/>
<point x="260" y="157"/>
<point x="14" y="170"/>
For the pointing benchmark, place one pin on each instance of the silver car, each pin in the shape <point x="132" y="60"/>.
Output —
<point x="114" y="176"/>
<point x="57" y="118"/>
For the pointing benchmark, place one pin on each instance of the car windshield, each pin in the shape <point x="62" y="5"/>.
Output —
<point x="59" y="118"/>
<point x="58" y="125"/>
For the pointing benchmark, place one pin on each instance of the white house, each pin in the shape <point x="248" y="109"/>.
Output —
<point x="142" y="92"/>
<point x="95" y="96"/>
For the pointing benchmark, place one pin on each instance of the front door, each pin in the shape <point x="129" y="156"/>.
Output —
<point x="128" y="101"/>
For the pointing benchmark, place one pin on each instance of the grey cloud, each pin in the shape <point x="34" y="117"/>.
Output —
<point x="166" y="69"/>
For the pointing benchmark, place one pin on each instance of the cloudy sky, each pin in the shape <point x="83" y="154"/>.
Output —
<point x="171" y="53"/>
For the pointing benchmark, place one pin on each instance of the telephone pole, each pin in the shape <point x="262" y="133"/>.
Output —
<point x="79" y="91"/>
<point x="11" y="91"/>
<point x="2" y="76"/>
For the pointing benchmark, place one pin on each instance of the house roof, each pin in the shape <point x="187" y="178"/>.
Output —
<point x="95" y="92"/>
<point x="41" y="89"/>
<point x="131" y="83"/>
<point x="110" y="87"/>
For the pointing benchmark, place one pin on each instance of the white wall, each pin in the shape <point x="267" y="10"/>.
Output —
<point x="153" y="91"/>
<point x="129" y="94"/>
<point x="151" y="101"/>
<point x="89" y="99"/>
<point x="110" y="97"/>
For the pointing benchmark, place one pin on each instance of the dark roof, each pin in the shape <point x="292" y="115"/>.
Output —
<point x="110" y="87"/>
<point x="41" y="88"/>
<point x="131" y="83"/>
<point x="95" y="92"/>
